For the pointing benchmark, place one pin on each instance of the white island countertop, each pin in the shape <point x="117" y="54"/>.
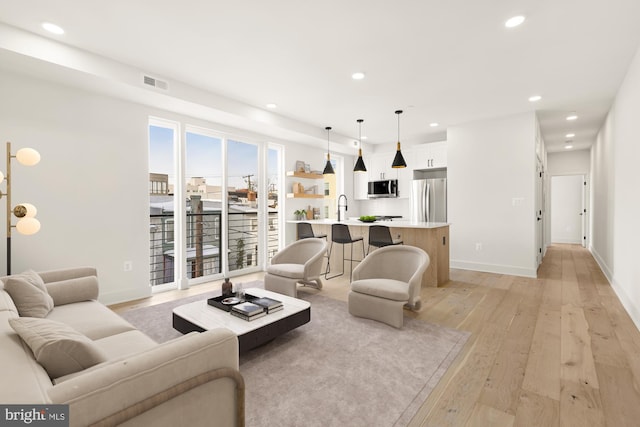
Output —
<point x="399" y="223"/>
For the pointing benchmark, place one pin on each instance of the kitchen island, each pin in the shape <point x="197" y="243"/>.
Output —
<point x="432" y="237"/>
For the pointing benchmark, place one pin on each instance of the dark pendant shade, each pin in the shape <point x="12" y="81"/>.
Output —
<point x="360" y="167"/>
<point x="398" y="160"/>
<point x="328" y="169"/>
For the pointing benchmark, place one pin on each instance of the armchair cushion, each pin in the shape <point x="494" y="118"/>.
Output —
<point x="29" y="296"/>
<point x="382" y="288"/>
<point x="294" y="271"/>
<point x="57" y="347"/>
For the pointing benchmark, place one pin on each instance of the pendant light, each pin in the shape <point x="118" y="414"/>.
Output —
<point x="360" y="167"/>
<point x="328" y="169"/>
<point x="398" y="160"/>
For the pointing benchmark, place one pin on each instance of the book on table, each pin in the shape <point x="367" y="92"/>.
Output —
<point x="269" y="304"/>
<point x="248" y="311"/>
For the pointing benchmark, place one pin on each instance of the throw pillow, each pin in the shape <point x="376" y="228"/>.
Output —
<point x="60" y="349"/>
<point x="30" y="300"/>
<point x="33" y="278"/>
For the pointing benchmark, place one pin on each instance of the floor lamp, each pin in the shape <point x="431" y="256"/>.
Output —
<point x="27" y="223"/>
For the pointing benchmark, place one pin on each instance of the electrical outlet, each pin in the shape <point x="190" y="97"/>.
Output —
<point x="128" y="266"/>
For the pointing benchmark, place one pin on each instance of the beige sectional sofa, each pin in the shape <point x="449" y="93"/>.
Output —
<point x="190" y="381"/>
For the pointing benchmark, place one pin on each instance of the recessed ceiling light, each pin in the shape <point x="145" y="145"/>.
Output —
<point x="514" y="21"/>
<point x="570" y="135"/>
<point x="363" y="137"/>
<point x="434" y="124"/>
<point x="535" y="98"/>
<point x="272" y="106"/>
<point x="357" y="76"/>
<point x="568" y="147"/>
<point x="572" y="116"/>
<point x="52" y="28"/>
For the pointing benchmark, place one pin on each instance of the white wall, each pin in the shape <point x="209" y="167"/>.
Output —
<point x="615" y="177"/>
<point x="91" y="186"/>
<point x="569" y="162"/>
<point x="491" y="180"/>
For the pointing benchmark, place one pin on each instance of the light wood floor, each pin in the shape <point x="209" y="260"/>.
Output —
<point x="559" y="350"/>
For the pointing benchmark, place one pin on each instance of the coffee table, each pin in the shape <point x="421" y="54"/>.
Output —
<point x="199" y="316"/>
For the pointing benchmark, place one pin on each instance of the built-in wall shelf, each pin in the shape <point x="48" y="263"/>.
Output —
<point x="304" y="175"/>
<point x="304" y="196"/>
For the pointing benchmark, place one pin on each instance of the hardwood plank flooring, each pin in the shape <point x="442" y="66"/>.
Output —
<point x="559" y="350"/>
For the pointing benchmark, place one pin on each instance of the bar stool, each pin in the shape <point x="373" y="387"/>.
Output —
<point x="340" y="234"/>
<point x="305" y="231"/>
<point x="379" y="236"/>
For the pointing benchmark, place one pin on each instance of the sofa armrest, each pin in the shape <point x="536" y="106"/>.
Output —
<point x="192" y="380"/>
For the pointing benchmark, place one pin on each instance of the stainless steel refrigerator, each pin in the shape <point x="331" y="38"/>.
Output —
<point x="429" y="200"/>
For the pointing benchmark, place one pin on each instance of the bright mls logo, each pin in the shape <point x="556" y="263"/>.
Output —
<point x="34" y="415"/>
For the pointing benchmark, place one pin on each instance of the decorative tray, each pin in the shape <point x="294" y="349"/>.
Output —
<point x="225" y="302"/>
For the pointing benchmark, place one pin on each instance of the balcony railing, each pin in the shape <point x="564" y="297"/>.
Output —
<point x="204" y="243"/>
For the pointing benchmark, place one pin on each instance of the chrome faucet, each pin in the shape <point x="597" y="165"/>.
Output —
<point x="345" y="205"/>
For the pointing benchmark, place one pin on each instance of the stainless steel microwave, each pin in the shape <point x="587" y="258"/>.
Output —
<point x="383" y="188"/>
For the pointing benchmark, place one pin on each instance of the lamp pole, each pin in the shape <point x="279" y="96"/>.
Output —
<point x="25" y="212"/>
<point x="8" y="195"/>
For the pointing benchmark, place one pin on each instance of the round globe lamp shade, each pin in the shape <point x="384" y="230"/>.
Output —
<point x="29" y="210"/>
<point x="28" y="226"/>
<point x="28" y="156"/>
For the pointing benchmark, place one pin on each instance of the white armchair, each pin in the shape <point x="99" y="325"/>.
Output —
<point x="386" y="281"/>
<point x="300" y="262"/>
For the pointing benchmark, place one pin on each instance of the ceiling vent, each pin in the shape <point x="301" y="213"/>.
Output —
<point x="150" y="81"/>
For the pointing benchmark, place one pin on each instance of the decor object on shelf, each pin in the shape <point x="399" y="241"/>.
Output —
<point x="27" y="223"/>
<point x="398" y="160"/>
<point x="299" y="166"/>
<point x="300" y="214"/>
<point x="360" y="167"/>
<point x="328" y="169"/>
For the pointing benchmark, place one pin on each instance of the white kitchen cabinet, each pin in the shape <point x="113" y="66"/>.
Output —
<point x="360" y="181"/>
<point x="430" y="156"/>
<point x="381" y="167"/>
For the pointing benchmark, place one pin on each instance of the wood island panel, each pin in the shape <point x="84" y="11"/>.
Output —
<point x="434" y="241"/>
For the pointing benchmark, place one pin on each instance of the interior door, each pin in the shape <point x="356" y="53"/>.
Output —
<point x="567" y="209"/>
<point x="539" y="212"/>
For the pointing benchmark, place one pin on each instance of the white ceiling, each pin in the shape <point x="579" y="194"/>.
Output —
<point x="449" y="62"/>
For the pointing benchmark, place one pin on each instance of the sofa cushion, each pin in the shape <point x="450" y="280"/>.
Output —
<point x="30" y="299"/>
<point x="60" y="349"/>
<point x="382" y="288"/>
<point x="91" y="319"/>
<point x="6" y="303"/>
<point x="293" y="271"/>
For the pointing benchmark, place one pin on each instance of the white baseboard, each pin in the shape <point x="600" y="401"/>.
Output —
<point x="628" y="303"/>
<point x="493" y="268"/>
<point x="603" y="266"/>
<point x="124" y="296"/>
